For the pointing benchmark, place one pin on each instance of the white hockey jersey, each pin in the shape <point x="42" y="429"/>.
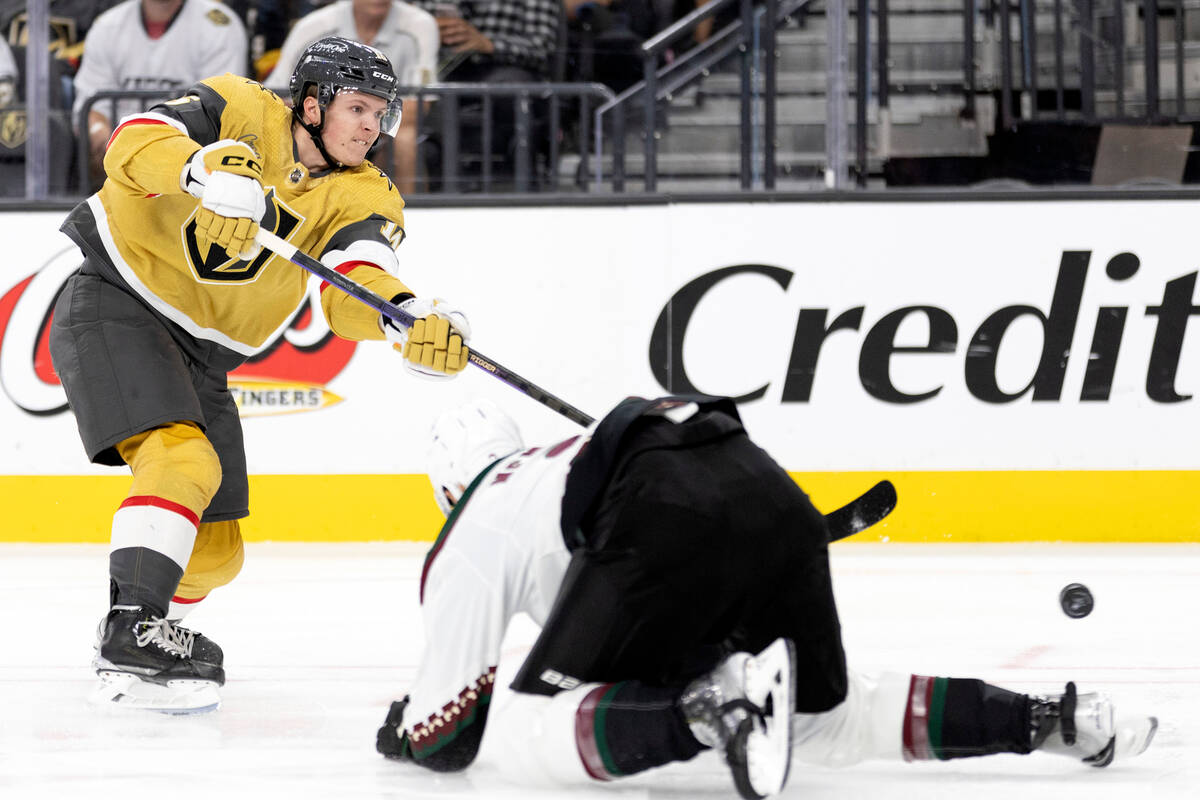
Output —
<point x="408" y="37"/>
<point x="205" y="38"/>
<point x="501" y="552"/>
<point x="8" y="75"/>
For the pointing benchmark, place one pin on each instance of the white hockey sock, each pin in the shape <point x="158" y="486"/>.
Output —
<point x="181" y="608"/>
<point x="867" y="724"/>
<point x="534" y="738"/>
<point x="157" y="524"/>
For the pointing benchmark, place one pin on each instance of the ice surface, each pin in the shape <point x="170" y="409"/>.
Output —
<point x="320" y="638"/>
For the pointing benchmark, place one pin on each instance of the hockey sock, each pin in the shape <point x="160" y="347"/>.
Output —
<point x="625" y="728"/>
<point x="958" y="718"/>
<point x="151" y="544"/>
<point x="143" y="577"/>
<point x="176" y="471"/>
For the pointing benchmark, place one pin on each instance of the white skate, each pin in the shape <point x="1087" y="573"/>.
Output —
<point x="744" y="707"/>
<point x="1084" y="726"/>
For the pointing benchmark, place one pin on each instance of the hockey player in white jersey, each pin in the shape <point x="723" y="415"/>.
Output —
<point x="659" y="551"/>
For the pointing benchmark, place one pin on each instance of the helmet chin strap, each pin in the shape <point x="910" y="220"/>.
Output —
<point x="314" y="131"/>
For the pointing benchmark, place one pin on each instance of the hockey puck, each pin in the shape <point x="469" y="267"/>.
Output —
<point x="1076" y="600"/>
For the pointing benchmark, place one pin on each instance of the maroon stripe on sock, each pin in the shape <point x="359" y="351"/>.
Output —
<point x="916" y="719"/>
<point x="163" y="503"/>
<point x="585" y="734"/>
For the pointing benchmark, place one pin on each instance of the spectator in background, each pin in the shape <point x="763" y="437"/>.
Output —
<point x="272" y="19"/>
<point x="165" y="45"/>
<point x="604" y="39"/>
<point x="8" y="76"/>
<point x="404" y="33"/>
<point x="12" y="153"/>
<point x="506" y="41"/>
<point x="70" y="21"/>
<point x="14" y="127"/>
<point x="490" y="41"/>
<point x="705" y="28"/>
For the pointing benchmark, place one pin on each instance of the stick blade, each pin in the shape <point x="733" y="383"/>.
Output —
<point x="863" y="512"/>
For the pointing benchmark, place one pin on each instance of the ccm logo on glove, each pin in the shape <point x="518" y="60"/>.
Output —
<point x="241" y="161"/>
<point x="225" y="177"/>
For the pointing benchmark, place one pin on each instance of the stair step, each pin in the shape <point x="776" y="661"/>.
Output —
<point x="726" y="84"/>
<point x="710" y="165"/>
<point x="797" y="110"/>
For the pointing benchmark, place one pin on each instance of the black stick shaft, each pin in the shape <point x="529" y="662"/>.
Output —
<point x="281" y="248"/>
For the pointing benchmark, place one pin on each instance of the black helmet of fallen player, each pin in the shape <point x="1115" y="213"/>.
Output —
<point x="333" y="65"/>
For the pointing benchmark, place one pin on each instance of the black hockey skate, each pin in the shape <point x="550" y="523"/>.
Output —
<point x="744" y="708"/>
<point x="1085" y="727"/>
<point x="205" y="652"/>
<point x="146" y="662"/>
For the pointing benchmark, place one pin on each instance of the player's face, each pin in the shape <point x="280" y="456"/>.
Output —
<point x="352" y="126"/>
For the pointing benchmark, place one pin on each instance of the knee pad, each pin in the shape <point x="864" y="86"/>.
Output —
<point x="175" y="462"/>
<point x="216" y="560"/>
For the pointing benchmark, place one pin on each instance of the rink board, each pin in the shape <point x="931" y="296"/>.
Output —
<point x="933" y="506"/>
<point x="1036" y="388"/>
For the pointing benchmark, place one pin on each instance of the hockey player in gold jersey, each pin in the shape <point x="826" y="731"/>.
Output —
<point x="173" y="294"/>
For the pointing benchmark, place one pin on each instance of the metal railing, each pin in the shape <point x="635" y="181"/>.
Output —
<point x="660" y="84"/>
<point x="450" y="128"/>
<point x="525" y="100"/>
<point x="1092" y="48"/>
<point x="1056" y="61"/>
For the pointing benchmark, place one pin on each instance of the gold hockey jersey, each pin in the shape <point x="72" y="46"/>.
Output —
<point x="142" y="223"/>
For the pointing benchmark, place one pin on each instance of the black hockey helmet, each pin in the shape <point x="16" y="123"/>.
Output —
<point x="335" y="64"/>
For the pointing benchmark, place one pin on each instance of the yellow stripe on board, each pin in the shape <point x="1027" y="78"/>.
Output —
<point x="981" y="506"/>
<point x="1024" y="506"/>
<point x="283" y="508"/>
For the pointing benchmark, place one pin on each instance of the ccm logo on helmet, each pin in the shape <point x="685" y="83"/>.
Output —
<point x="237" y="161"/>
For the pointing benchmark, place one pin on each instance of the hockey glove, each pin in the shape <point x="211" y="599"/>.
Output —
<point x="390" y="741"/>
<point x="436" y="345"/>
<point x="226" y="177"/>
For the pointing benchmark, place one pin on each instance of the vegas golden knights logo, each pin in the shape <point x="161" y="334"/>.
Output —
<point x="215" y="264"/>
<point x="13" y="129"/>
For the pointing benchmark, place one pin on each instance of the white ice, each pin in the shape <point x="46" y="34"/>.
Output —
<point x="319" y="639"/>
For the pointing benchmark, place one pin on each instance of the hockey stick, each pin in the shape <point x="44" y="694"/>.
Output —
<point x="284" y="250"/>
<point x="862" y="512"/>
<point x="854" y="517"/>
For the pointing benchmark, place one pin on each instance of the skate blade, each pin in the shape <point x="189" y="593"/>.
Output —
<point x="769" y="749"/>
<point x="123" y="690"/>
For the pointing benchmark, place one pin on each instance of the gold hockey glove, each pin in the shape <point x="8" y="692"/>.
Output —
<point x="225" y="177"/>
<point x="436" y="345"/>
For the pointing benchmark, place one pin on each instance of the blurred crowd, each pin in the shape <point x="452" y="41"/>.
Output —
<point x="113" y="57"/>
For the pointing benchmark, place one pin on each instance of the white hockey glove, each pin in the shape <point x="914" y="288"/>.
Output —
<point x="226" y="176"/>
<point x="436" y="345"/>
